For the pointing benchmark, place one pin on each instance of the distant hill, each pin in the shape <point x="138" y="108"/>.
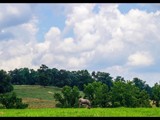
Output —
<point x="37" y="96"/>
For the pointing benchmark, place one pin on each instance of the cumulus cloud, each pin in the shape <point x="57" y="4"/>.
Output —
<point x="140" y="59"/>
<point x="14" y="14"/>
<point x="104" y="40"/>
<point x="17" y="48"/>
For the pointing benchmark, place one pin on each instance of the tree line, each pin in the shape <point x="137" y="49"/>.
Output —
<point x="102" y="89"/>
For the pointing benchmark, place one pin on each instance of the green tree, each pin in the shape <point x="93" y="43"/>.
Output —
<point x="156" y="94"/>
<point x="68" y="98"/>
<point x="5" y="82"/>
<point x="142" y="85"/>
<point x="10" y="100"/>
<point x="143" y="99"/>
<point x="44" y="75"/>
<point x="63" y="78"/>
<point x="119" y="78"/>
<point x="98" y="93"/>
<point x="33" y="79"/>
<point x="104" y="78"/>
<point x="19" y="76"/>
<point x="84" y="77"/>
<point x="128" y="95"/>
<point x="54" y="77"/>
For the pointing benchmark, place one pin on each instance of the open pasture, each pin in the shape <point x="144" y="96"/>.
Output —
<point x="81" y="112"/>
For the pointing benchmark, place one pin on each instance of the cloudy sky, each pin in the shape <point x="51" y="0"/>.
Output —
<point x="120" y="39"/>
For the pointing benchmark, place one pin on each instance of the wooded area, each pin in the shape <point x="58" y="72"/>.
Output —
<point x="102" y="89"/>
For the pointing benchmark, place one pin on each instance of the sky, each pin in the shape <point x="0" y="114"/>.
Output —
<point x="118" y="38"/>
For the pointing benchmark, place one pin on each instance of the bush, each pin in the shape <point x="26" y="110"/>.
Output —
<point x="68" y="98"/>
<point x="10" y="100"/>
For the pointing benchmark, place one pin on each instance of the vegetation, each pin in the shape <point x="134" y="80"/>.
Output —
<point x="44" y="105"/>
<point x="156" y="94"/>
<point x="8" y="99"/>
<point x="128" y="95"/>
<point x="122" y="94"/>
<point x="82" y="112"/>
<point x="5" y="82"/>
<point x="37" y="96"/>
<point x="98" y="93"/>
<point x="99" y="87"/>
<point x="68" y="98"/>
<point x="11" y="101"/>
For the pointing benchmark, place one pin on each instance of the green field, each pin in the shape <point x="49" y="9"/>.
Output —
<point x="41" y="103"/>
<point x="82" y="112"/>
<point x="37" y="96"/>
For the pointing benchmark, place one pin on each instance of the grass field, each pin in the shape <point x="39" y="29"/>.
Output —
<point x="37" y="96"/>
<point x="41" y="104"/>
<point x="81" y="112"/>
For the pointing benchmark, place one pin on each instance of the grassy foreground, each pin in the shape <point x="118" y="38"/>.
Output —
<point x="81" y="112"/>
<point x="42" y="104"/>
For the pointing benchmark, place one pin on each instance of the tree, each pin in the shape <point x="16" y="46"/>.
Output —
<point x="44" y="75"/>
<point x="54" y="77"/>
<point x="98" y="93"/>
<point x="104" y="78"/>
<point x="84" y="77"/>
<point x="139" y="83"/>
<point x="10" y="100"/>
<point x="5" y="82"/>
<point x="68" y="98"/>
<point x="128" y="95"/>
<point x="143" y="99"/>
<point x="142" y="85"/>
<point x="119" y="78"/>
<point x="33" y="79"/>
<point x="156" y="94"/>
<point x="63" y="78"/>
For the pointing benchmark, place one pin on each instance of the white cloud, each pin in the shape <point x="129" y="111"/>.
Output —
<point x="52" y="34"/>
<point x="18" y="50"/>
<point x="14" y="14"/>
<point x="140" y="59"/>
<point x="105" y="40"/>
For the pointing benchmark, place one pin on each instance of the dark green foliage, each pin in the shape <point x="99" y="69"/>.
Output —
<point x="5" y="82"/>
<point x="104" y="78"/>
<point x="63" y="78"/>
<point x="156" y="94"/>
<point x="98" y="93"/>
<point x="128" y="95"/>
<point x="107" y="93"/>
<point x="10" y="100"/>
<point x="46" y="77"/>
<point x="119" y="78"/>
<point x="143" y="99"/>
<point x="142" y="85"/>
<point x="68" y="98"/>
<point x="83" y="78"/>
<point x="24" y="76"/>
<point x="44" y="73"/>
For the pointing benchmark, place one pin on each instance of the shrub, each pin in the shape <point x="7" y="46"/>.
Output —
<point x="10" y="100"/>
